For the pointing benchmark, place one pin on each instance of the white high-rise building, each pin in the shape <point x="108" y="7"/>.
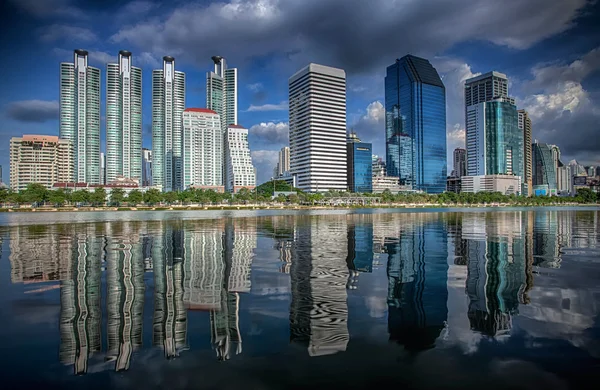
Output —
<point x="202" y="148"/>
<point x="317" y="109"/>
<point x="80" y="115"/>
<point x="146" y="167"/>
<point x="239" y="171"/>
<point x="123" y="119"/>
<point x="168" y="103"/>
<point x="283" y="164"/>
<point x="221" y="92"/>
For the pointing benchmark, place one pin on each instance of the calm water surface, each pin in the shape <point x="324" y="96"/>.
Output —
<point x="457" y="299"/>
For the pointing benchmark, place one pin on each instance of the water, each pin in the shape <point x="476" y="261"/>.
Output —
<point x="262" y="299"/>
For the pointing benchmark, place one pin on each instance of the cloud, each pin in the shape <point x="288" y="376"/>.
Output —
<point x="255" y="87"/>
<point x="139" y="7"/>
<point x="49" y="8"/>
<point x="363" y="36"/>
<point x="146" y="59"/>
<point x="370" y="126"/>
<point x="269" y="107"/>
<point x="264" y="161"/>
<point x="33" y="110"/>
<point x="562" y="111"/>
<point x="96" y="58"/>
<point x="57" y="32"/>
<point x="275" y="133"/>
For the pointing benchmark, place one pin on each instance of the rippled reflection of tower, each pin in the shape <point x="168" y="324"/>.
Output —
<point x="319" y="308"/>
<point x="170" y="315"/>
<point x="80" y="314"/>
<point x="417" y="276"/>
<point x="125" y="295"/>
<point x="546" y="250"/>
<point x="360" y="247"/>
<point x="496" y="276"/>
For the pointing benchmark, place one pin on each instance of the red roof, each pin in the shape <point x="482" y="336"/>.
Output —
<point x="236" y="126"/>
<point x="205" y="110"/>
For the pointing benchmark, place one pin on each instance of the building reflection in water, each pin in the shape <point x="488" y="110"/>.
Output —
<point x="417" y="272"/>
<point x="360" y="248"/>
<point x="319" y="273"/>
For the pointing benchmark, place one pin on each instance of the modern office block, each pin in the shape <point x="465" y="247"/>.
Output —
<point x="317" y="110"/>
<point x="202" y="148"/>
<point x="415" y="123"/>
<point x="525" y="127"/>
<point x="505" y="184"/>
<point x="123" y="119"/>
<point x="360" y="168"/>
<point x="40" y="159"/>
<point x="460" y="162"/>
<point x="80" y="115"/>
<point x="168" y="103"/>
<point x="239" y="170"/>
<point x="544" y="168"/>
<point x="146" y="167"/>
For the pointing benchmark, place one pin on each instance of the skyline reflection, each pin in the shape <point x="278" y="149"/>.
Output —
<point x="130" y="287"/>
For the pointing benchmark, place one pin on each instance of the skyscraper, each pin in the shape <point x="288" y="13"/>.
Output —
<point x="202" y="148"/>
<point x="544" y="169"/>
<point x="221" y="92"/>
<point x="239" y="171"/>
<point x="168" y="103"/>
<point x="80" y="115"/>
<point x="102" y="168"/>
<point x="485" y="88"/>
<point x="525" y="127"/>
<point x="317" y="109"/>
<point x="146" y="167"/>
<point x="123" y="119"/>
<point x="460" y="162"/>
<point x="360" y="168"/>
<point x="415" y="124"/>
<point x="283" y="164"/>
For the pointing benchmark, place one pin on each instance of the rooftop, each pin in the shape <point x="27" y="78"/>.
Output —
<point x="204" y="110"/>
<point x="486" y="76"/>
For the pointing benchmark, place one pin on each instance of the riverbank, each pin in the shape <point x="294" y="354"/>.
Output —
<point x="193" y="207"/>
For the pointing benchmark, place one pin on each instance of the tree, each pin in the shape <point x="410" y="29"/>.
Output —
<point x="280" y="198"/>
<point x="4" y="194"/>
<point x="170" y="197"/>
<point x="135" y="197"/>
<point x="35" y="193"/>
<point x="78" y="197"/>
<point x="117" y="196"/>
<point x="386" y="196"/>
<point x="243" y="195"/>
<point x="585" y="195"/>
<point x="57" y="197"/>
<point x="98" y="197"/>
<point x="153" y="196"/>
<point x="279" y="186"/>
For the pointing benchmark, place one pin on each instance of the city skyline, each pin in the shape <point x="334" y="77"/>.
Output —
<point x="542" y="66"/>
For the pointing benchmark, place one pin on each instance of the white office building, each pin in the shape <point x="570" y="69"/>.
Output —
<point x="123" y="119"/>
<point x="506" y="184"/>
<point x="221" y="92"/>
<point x="317" y="126"/>
<point x="80" y="115"/>
<point x="239" y="170"/>
<point x="168" y="103"/>
<point x="202" y="148"/>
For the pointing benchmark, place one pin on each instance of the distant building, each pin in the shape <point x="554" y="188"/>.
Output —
<point x="102" y="168"/>
<point x="239" y="170"/>
<point x="415" y="109"/>
<point x="360" y="169"/>
<point x="80" y="115"/>
<point x="380" y="181"/>
<point x="591" y="171"/>
<point x="146" y="167"/>
<point x="453" y="184"/>
<point x="283" y="163"/>
<point x="40" y="159"/>
<point x="168" y="103"/>
<point x="506" y="184"/>
<point x="544" y="168"/>
<point x="221" y="92"/>
<point x="525" y="127"/>
<point x="460" y="162"/>
<point x="317" y="113"/>
<point x="202" y="148"/>
<point x="563" y="183"/>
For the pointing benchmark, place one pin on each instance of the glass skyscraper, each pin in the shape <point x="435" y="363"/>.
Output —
<point x="123" y="119"/>
<point x="221" y="92"/>
<point x="80" y="115"/>
<point x="360" y="168"/>
<point x="415" y="124"/>
<point x="544" y="169"/>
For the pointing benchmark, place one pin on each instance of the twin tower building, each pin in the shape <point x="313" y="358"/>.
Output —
<point x="191" y="147"/>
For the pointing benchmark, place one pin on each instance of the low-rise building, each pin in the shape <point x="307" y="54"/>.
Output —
<point x="453" y="184"/>
<point x="506" y="184"/>
<point x="40" y="159"/>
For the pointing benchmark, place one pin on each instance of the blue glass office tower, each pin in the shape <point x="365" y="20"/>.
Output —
<point x="360" y="167"/>
<point x="415" y="124"/>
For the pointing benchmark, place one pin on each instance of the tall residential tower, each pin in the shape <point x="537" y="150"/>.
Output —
<point x="80" y="115"/>
<point x="221" y="92"/>
<point x="123" y="119"/>
<point x="415" y="124"/>
<point x="525" y="127"/>
<point x="168" y="103"/>
<point x="317" y="110"/>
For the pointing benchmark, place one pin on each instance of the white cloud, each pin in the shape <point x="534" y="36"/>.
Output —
<point x="146" y="59"/>
<point x="264" y="161"/>
<point x="57" y="32"/>
<point x="271" y="132"/>
<point x="96" y="58"/>
<point x="255" y="87"/>
<point x="269" y="107"/>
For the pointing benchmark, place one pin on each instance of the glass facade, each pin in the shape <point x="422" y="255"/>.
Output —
<point x="544" y="169"/>
<point x="504" y="146"/>
<point x="360" y="168"/>
<point x="415" y="105"/>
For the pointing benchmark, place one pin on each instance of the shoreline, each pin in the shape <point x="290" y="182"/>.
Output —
<point x="280" y="207"/>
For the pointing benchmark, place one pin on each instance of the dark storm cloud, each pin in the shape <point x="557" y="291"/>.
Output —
<point x="33" y="110"/>
<point x="358" y="35"/>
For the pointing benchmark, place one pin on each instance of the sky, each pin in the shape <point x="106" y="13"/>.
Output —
<point x="549" y="49"/>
